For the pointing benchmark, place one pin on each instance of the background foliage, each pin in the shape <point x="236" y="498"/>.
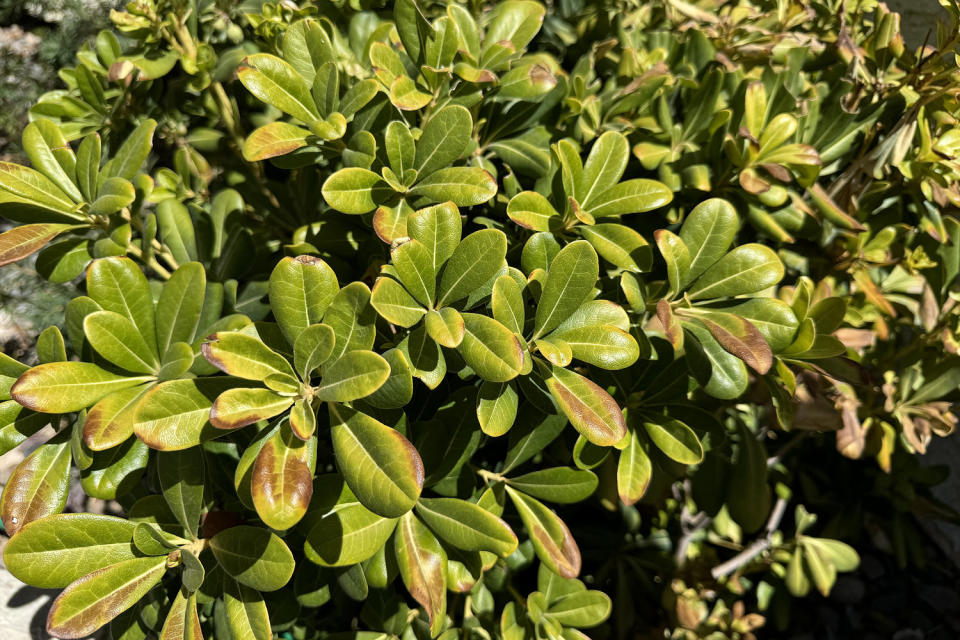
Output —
<point x="505" y="321"/>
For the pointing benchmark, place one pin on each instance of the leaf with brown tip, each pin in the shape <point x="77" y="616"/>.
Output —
<point x="109" y="423"/>
<point x="590" y="409"/>
<point x="742" y="339"/>
<point x="64" y="387"/>
<point x="242" y="355"/>
<point x="422" y="562"/>
<point x="235" y="408"/>
<point x="182" y="621"/>
<point x="97" y="598"/>
<point x="550" y="536"/>
<point x="20" y="242"/>
<point x="38" y="486"/>
<point x="282" y="478"/>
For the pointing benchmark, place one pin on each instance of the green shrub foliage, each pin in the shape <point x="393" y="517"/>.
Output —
<point x="430" y="319"/>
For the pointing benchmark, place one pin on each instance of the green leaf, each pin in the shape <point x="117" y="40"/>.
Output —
<point x="37" y="487"/>
<point x="273" y="140"/>
<point x="589" y="408"/>
<point x="277" y="83"/>
<point x="550" y="536"/>
<point x="444" y="139"/>
<point x="312" y="348"/>
<point x="352" y="319"/>
<point x="114" y="194"/>
<point x="473" y="263"/>
<point x="747" y="269"/>
<point x="17" y="424"/>
<point x="675" y="439"/>
<point x="619" y="245"/>
<point x="463" y="186"/>
<point x="180" y="306"/>
<point x="150" y="540"/>
<point x="54" y="551"/>
<point x="177" y="230"/>
<point x="708" y="232"/>
<point x="254" y="556"/>
<point x="354" y="190"/>
<point x="467" y="30"/>
<point x="88" y="165"/>
<point x="517" y="22"/>
<point x="581" y="610"/>
<point x="394" y="303"/>
<point x="406" y="95"/>
<point x="326" y="88"/>
<point x="677" y="257"/>
<point x="438" y="229"/>
<point x="301" y="289"/>
<point x="490" y="349"/>
<point x="347" y="534"/>
<point x="748" y="495"/>
<point x="446" y="326"/>
<point x="425" y="356"/>
<point x="175" y="415"/>
<point x="603" y="346"/>
<point x="63" y="387"/>
<point x="95" y="599"/>
<point x="306" y="46"/>
<point x="118" y="285"/>
<point x="532" y="211"/>
<point x="570" y="281"/>
<point x="115" y="472"/>
<point x="115" y="338"/>
<point x="841" y="555"/>
<point x="34" y="189"/>
<point x="282" y="478"/>
<point x="422" y="563"/>
<point x="245" y="356"/>
<point x="528" y="82"/>
<point x="181" y="475"/>
<point x="247" y="615"/>
<point x="397" y="391"/>
<point x="50" y="152"/>
<point x="634" y="471"/>
<point x="773" y="318"/>
<point x="356" y="375"/>
<point x="134" y="151"/>
<point x="65" y="260"/>
<point x="721" y="374"/>
<point x="415" y="269"/>
<point x="379" y="465"/>
<point x="497" y="404"/>
<point x="182" y="621"/>
<point x="26" y="239"/>
<point x="562" y="485"/>
<point x="506" y="302"/>
<point x="467" y="526"/>
<point x="603" y="168"/>
<point x="400" y="147"/>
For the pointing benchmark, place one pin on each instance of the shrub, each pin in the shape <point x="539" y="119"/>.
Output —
<point x="401" y="318"/>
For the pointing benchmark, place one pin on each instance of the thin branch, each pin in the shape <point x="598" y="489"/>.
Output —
<point x="757" y="547"/>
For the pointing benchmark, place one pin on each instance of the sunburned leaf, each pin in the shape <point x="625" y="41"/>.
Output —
<point x="95" y="599"/>
<point x="422" y="562"/>
<point x="589" y="408"/>
<point x="550" y="536"/>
